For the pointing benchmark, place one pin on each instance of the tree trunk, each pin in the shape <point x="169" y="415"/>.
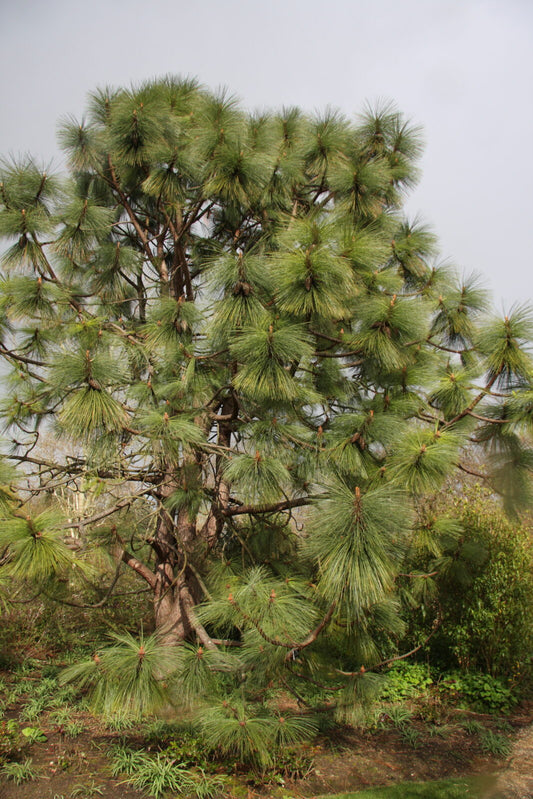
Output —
<point x="176" y="588"/>
<point x="172" y="620"/>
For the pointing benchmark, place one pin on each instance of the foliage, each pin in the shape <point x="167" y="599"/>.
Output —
<point x="126" y="678"/>
<point x="484" y="589"/>
<point x="411" y="737"/>
<point x="405" y="680"/>
<point x="494" y="743"/>
<point x="33" y="735"/>
<point x="160" y="773"/>
<point x="11" y="741"/>
<point x="234" y="368"/>
<point x="481" y="691"/>
<point x="399" y="716"/>
<point x="19" y="772"/>
<point x="87" y="790"/>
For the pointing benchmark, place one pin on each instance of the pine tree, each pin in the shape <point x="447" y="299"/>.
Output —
<point x="233" y="332"/>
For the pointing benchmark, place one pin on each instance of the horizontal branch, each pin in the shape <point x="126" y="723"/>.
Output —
<point x="436" y="624"/>
<point x="124" y="503"/>
<point x="272" y="508"/>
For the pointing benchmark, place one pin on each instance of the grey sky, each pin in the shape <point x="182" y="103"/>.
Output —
<point x="463" y="69"/>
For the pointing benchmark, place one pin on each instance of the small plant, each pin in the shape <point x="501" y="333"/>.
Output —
<point x="33" y="735"/>
<point x="159" y="774"/>
<point x="13" y="694"/>
<point x="125" y="761"/>
<point x="411" y="737"/>
<point x="440" y="730"/>
<point x="119" y="723"/>
<point x="434" y="709"/>
<point x="61" y="716"/>
<point x="87" y="790"/>
<point x="472" y="727"/>
<point x="73" y="729"/>
<point x="19" y="772"/>
<point x="400" y="716"/>
<point x="504" y="726"/>
<point x="47" y="687"/>
<point x="294" y="764"/>
<point x="494" y="744"/>
<point x="189" y="750"/>
<point x="61" y="763"/>
<point x="10" y="738"/>
<point x="33" y="709"/>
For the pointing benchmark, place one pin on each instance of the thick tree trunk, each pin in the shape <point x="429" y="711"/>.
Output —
<point x="176" y="588"/>
<point x="172" y="620"/>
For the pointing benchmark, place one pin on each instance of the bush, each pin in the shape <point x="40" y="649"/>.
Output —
<point x="405" y="680"/>
<point x="484" y="589"/>
<point x="482" y="692"/>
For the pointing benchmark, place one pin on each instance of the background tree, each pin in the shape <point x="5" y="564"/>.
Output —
<point x="237" y="337"/>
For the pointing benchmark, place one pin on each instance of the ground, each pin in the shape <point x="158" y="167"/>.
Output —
<point x="347" y="760"/>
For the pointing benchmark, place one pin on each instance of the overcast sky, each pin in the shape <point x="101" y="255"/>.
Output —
<point x="463" y="69"/>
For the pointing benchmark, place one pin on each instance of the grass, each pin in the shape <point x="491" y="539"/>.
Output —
<point x="19" y="772"/>
<point x="441" y="789"/>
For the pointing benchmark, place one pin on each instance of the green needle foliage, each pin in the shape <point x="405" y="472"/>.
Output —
<point x="35" y="547"/>
<point x="233" y="361"/>
<point x="126" y="678"/>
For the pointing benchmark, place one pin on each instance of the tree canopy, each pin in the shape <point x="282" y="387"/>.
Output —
<point x="254" y="366"/>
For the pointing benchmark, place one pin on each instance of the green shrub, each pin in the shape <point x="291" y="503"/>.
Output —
<point x="483" y="589"/>
<point x="482" y="692"/>
<point x="405" y="680"/>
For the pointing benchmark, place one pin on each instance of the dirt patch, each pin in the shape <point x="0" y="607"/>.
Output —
<point x="363" y="761"/>
<point x="70" y="768"/>
<point x="516" y="779"/>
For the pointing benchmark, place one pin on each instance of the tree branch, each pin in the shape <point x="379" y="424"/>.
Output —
<point x="272" y="508"/>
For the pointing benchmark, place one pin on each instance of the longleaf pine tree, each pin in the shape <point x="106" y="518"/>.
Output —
<point x="251" y="358"/>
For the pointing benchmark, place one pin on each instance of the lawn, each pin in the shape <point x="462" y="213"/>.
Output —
<point x="440" y="789"/>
